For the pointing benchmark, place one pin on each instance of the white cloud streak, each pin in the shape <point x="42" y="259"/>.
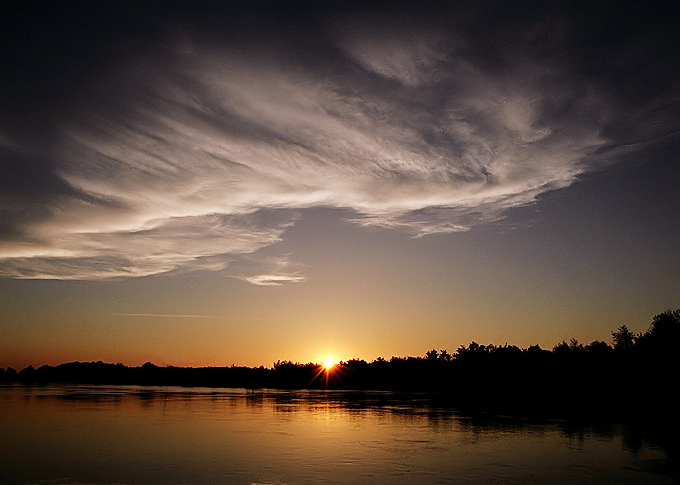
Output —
<point x="200" y="156"/>
<point x="161" y="315"/>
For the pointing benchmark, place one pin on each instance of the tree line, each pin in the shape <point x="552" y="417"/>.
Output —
<point x="638" y="371"/>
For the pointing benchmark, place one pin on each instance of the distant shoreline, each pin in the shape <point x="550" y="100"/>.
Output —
<point x="636" y="378"/>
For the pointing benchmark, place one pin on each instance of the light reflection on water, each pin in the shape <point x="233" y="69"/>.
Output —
<point x="132" y="434"/>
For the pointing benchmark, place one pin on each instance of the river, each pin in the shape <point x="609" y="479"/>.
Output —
<point x="132" y="434"/>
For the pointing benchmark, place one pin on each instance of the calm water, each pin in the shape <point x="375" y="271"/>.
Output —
<point x="131" y="434"/>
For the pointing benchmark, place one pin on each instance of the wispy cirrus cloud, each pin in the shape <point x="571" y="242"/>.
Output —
<point x="197" y="153"/>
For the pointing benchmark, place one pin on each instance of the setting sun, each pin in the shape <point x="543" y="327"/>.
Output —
<point x="328" y="363"/>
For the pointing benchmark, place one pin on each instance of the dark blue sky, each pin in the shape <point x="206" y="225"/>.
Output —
<point x="197" y="184"/>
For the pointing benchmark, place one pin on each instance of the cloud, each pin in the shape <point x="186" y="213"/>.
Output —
<point x="161" y="315"/>
<point x="267" y="271"/>
<point x="204" y="242"/>
<point x="198" y="152"/>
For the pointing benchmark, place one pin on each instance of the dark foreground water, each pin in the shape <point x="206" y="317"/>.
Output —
<point x="132" y="434"/>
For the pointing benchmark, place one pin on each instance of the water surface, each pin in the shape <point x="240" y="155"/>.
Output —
<point x="133" y="434"/>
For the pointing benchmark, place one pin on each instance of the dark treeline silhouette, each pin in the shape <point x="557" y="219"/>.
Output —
<point x="636" y="375"/>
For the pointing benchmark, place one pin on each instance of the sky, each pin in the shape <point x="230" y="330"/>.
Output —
<point x="207" y="183"/>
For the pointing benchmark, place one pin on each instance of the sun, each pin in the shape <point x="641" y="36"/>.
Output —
<point x="329" y="372"/>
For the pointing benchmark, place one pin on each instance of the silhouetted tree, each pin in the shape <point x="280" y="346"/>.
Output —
<point x="665" y="327"/>
<point x="561" y="348"/>
<point x="623" y="338"/>
<point x="574" y="346"/>
<point x="598" y="347"/>
<point x="27" y="374"/>
<point x="432" y="355"/>
<point x="536" y="349"/>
